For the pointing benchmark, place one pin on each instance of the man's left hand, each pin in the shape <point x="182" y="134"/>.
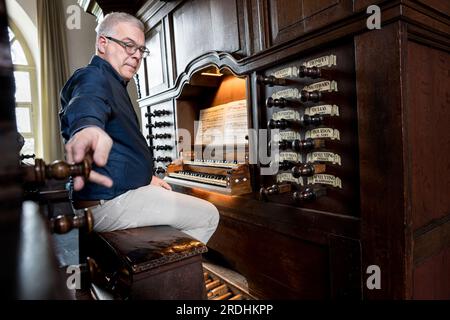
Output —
<point x="160" y="183"/>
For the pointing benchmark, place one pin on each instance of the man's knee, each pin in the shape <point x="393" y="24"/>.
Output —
<point x="216" y="217"/>
<point x="213" y="214"/>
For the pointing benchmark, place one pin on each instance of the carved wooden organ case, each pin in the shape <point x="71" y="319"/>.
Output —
<point x="338" y="102"/>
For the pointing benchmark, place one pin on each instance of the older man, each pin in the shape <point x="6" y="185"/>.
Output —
<point x="97" y="115"/>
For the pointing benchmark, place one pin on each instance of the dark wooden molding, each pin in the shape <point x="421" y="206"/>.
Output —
<point x="263" y="34"/>
<point x="428" y="37"/>
<point x="129" y="6"/>
<point x="91" y="7"/>
<point x="431" y="239"/>
<point x="154" y="11"/>
<point x="247" y="17"/>
<point x="428" y="15"/>
<point x="218" y="59"/>
<point x="242" y="13"/>
<point x="149" y="9"/>
<point x="170" y="49"/>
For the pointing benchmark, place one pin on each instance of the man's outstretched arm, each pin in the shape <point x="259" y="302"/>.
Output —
<point x="85" y="141"/>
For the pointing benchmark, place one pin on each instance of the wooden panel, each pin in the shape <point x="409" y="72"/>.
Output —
<point x="36" y="259"/>
<point x="291" y="19"/>
<point x="276" y="266"/>
<point x="180" y="280"/>
<point x="345" y="268"/>
<point x="428" y="116"/>
<point x="432" y="277"/>
<point x="291" y="13"/>
<point x="380" y="116"/>
<point x="309" y="225"/>
<point x="155" y="63"/>
<point x="202" y="26"/>
<point x="231" y="89"/>
<point x="186" y="116"/>
<point x="268" y="243"/>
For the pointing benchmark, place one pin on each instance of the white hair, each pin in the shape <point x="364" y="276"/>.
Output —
<point x="107" y="26"/>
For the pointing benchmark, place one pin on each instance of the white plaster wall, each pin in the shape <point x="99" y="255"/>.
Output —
<point x="81" y="46"/>
<point x="30" y="7"/>
<point x="80" y="42"/>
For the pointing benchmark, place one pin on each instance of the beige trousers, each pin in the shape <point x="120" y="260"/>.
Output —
<point x="154" y="205"/>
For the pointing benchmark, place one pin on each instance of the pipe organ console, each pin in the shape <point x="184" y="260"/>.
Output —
<point x="310" y="105"/>
<point x="319" y="170"/>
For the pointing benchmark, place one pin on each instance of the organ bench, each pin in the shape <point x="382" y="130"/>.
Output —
<point x="158" y="263"/>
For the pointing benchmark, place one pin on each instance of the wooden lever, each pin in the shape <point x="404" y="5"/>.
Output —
<point x="65" y="223"/>
<point x="264" y="193"/>
<point x="309" y="194"/>
<point x="307" y="169"/>
<point x="59" y="170"/>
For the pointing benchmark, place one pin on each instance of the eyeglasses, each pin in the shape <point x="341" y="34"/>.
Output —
<point x="131" y="47"/>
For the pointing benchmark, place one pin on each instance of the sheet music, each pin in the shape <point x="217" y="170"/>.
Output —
<point x="224" y="124"/>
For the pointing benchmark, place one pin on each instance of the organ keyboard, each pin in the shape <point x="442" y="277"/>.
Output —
<point x="224" y="177"/>
<point x="215" y="179"/>
<point x="213" y="163"/>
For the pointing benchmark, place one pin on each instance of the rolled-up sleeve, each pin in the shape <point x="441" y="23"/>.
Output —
<point x="84" y="102"/>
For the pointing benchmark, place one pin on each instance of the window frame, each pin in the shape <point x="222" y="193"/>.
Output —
<point x="30" y="68"/>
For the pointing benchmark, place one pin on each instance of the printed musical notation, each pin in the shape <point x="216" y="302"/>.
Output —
<point x="223" y="124"/>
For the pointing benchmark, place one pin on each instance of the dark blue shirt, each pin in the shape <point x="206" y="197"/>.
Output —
<point x="97" y="96"/>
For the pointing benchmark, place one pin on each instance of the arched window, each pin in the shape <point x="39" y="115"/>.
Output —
<point x="26" y="90"/>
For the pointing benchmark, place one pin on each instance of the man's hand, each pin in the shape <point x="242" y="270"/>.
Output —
<point x="160" y="183"/>
<point x="86" y="140"/>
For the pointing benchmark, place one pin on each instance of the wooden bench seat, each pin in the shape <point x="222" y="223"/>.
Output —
<point x="157" y="262"/>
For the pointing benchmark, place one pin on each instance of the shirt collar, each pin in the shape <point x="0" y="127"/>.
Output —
<point x="105" y="65"/>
